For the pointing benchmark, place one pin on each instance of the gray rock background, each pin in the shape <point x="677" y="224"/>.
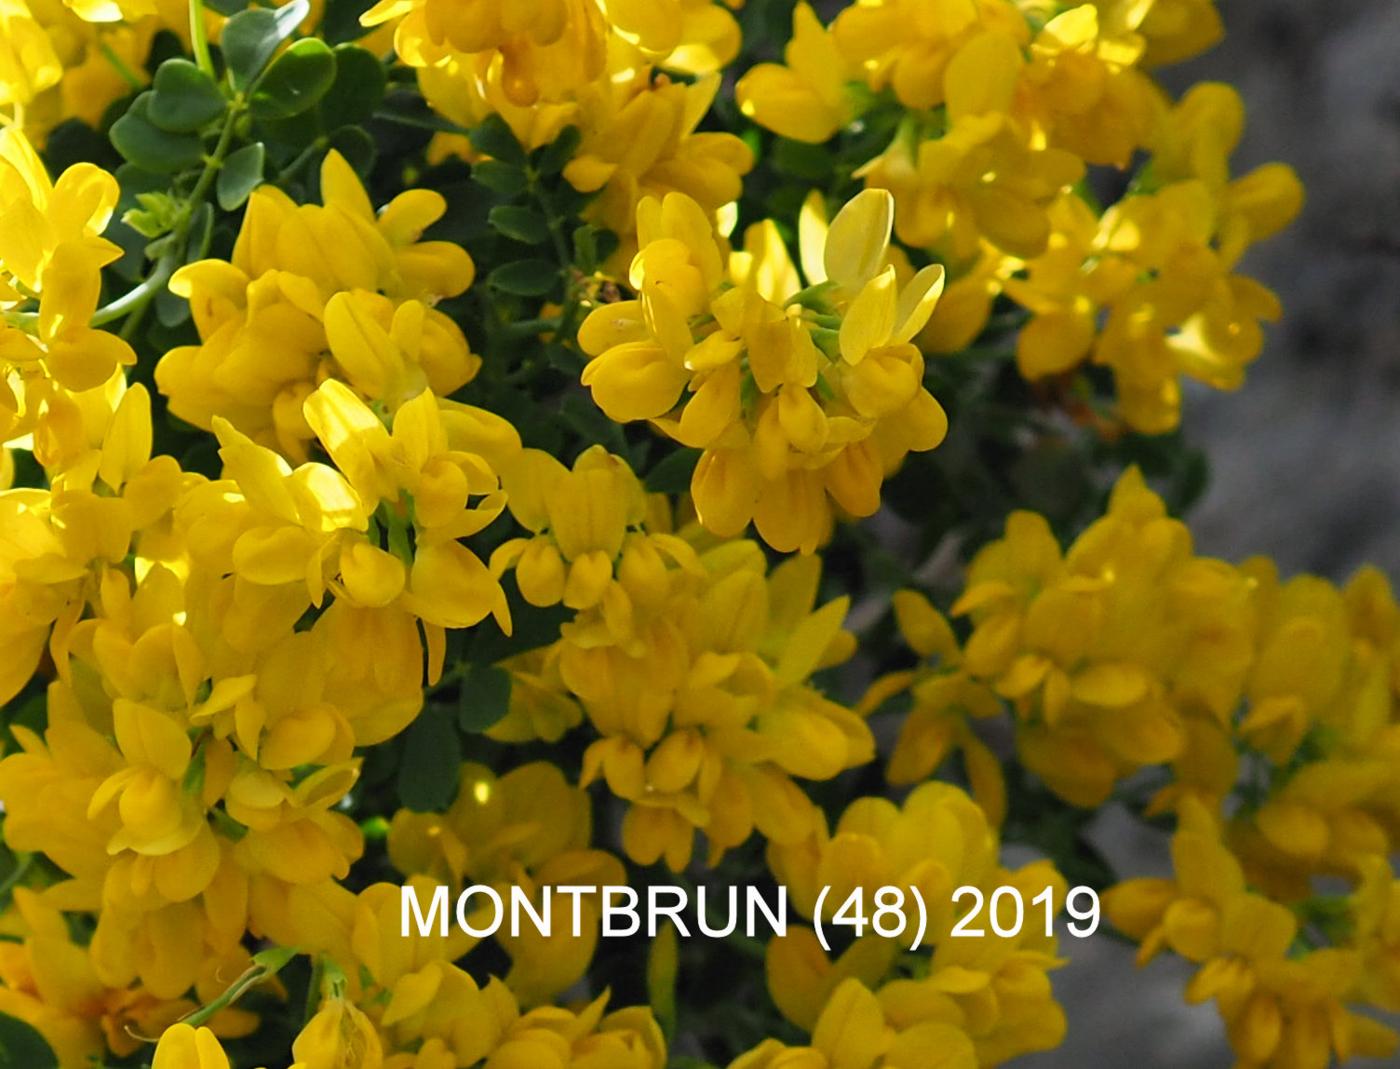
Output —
<point x="1306" y="458"/>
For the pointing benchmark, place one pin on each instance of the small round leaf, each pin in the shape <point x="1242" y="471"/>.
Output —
<point x="525" y="278"/>
<point x="358" y="89"/>
<point x="251" y="37"/>
<point x="296" y="81"/>
<point x="149" y="147"/>
<point x="242" y="173"/>
<point x="184" y="97"/>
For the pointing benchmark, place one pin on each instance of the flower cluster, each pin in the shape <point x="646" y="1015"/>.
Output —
<point x="600" y="66"/>
<point x="691" y="661"/>
<point x="801" y="396"/>
<point x="1009" y="114"/>
<point x="978" y="1001"/>
<point x="1266" y="712"/>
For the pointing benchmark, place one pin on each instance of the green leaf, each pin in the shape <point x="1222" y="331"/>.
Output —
<point x="184" y="97"/>
<point x="495" y="138"/>
<point x="158" y="214"/>
<point x="552" y="159"/>
<point x="242" y="173"/>
<point x="519" y="224"/>
<point x="525" y="278"/>
<point x="251" y="37"/>
<point x="149" y="147"/>
<point x="484" y="699"/>
<point x="296" y="81"/>
<point x="811" y="163"/>
<point x="22" y="1047"/>
<point x="593" y="245"/>
<point x="432" y="754"/>
<point x="358" y="89"/>
<point x="226" y="7"/>
<point x="672" y="475"/>
<point x="504" y="178"/>
<point x="171" y="309"/>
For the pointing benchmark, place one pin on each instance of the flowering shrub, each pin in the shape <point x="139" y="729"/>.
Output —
<point x="552" y="443"/>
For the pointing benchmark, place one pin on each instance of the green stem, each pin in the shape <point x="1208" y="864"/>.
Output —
<point x="25" y="321"/>
<point x="306" y="155"/>
<point x="250" y="978"/>
<point x="565" y="329"/>
<point x="313" y="988"/>
<point x="120" y="65"/>
<point x="130" y="301"/>
<point x="441" y="126"/>
<point x="199" y="38"/>
<point x="135" y="303"/>
<point x="528" y="328"/>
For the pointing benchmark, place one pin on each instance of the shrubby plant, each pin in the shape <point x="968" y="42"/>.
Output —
<point x="553" y="442"/>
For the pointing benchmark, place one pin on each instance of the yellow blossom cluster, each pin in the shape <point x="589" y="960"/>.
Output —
<point x="1014" y="110"/>
<point x="634" y="77"/>
<point x="218" y="649"/>
<point x="689" y="658"/>
<point x="801" y="396"/>
<point x="1267" y="713"/>
<point x="317" y="292"/>
<point x="973" y="1002"/>
<point x="63" y="59"/>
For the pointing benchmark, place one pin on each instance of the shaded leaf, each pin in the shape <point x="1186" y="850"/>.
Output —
<point x="358" y="88"/>
<point x="504" y="178"/>
<point x="149" y="147"/>
<point x="251" y="37"/>
<point x="525" y="278"/>
<point x="242" y="173"/>
<point x="484" y="698"/>
<point x="22" y="1047"/>
<point x="494" y="138"/>
<point x="184" y="98"/>
<point x="296" y="81"/>
<point x="519" y="223"/>
<point x="432" y="754"/>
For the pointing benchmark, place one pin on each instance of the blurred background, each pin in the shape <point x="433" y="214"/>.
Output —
<point x="1305" y="460"/>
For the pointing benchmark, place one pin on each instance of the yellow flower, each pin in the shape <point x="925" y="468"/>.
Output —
<point x="944" y="701"/>
<point x="985" y="176"/>
<point x="909" y="44"/>
<point x="992" y="991"/>
<point x="808" y="99"/>
<point x="183" y="1047"/>
<point x="28" y="63"/>
<point x="51" y="249"/>
<point x="798" y="397"/>
<point x="706" y="713"/>
<point x="588" y="548"/>
<point x="1281" y="1008"/>
<point x="1175" y="30"/>
<point x="526" y="829"/>
<point x="545" y="48"/>
<point x="1086" y="90"/>
<point x="640" y="140"/>
<point x="319" y="292"/>
<point x="339" y="1036"/>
